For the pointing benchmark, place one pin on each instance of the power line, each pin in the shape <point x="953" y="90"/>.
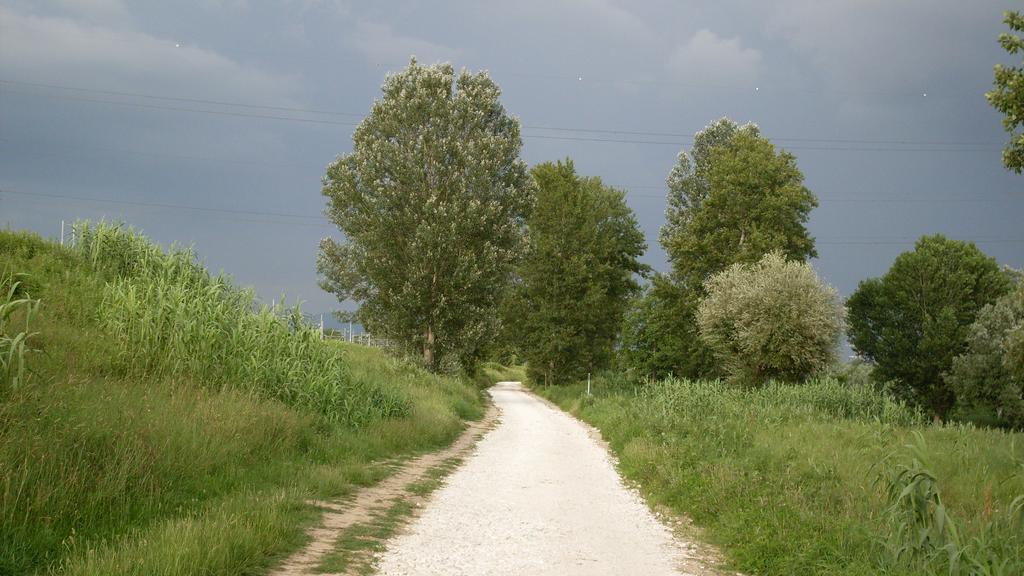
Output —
<point x="91" y="147"/>
<point x="910" y="241"/>
<point x="825" y="241"/>
<point x="778" y="139"/>
<point x="181" y="99"/>
<point x="898" y="145"/>
<point x="162" y="205"/>
<point x="194" y="110"/>
<point x="626" y="187"/>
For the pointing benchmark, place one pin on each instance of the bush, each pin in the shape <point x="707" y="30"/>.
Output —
<point x="988" y="379"/>
<point x="914" y="320"/>
<point x="771" y="320"/>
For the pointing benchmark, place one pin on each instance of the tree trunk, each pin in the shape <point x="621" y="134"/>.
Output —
<point x="428" y="348"/>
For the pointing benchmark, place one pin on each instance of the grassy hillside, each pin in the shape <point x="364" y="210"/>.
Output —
<point x="819" y="478"/>
<point x="168" y="424"/>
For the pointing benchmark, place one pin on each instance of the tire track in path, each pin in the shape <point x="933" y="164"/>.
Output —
<point x="369" y="504"/>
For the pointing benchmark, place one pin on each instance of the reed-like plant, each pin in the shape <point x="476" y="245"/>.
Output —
<point x="922" y="536"/>
<point x="172" y="318"/>
<point x="16" y="311"/>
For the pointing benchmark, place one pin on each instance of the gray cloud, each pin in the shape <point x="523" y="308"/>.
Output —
<point x="830" y="71"/>
<point x="886" y="47"/>
<point x="380" y="44"/>
<point x="711" y="59"/>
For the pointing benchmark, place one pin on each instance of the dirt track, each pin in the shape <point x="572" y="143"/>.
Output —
<point x="371" y="502"/>
<point x="540" y="495"/>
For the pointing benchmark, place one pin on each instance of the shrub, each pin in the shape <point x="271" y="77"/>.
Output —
<point x="771" y="320"/>
<point x="914" y="320"/>
<point x="988" y="379"/>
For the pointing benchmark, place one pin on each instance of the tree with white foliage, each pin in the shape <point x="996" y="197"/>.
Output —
<point x="432" y="201"/>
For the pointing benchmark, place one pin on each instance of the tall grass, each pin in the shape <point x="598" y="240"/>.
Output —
<point x="170" y="317"/>
<point x="115" y="463"/>
<point x="784" y="478"/>
<point x="13" y="341"/>
<point x="920" y="535"/>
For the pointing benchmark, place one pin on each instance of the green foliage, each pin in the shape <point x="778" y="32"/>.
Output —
<point x="914" y="320"/>
<point x="988" y="379"/>
<point x="731" y="200"/>
<point x="922" y="536"/>
<point x="741" y="200"/>
<point x="780" y="477"/>
<point x="1008" y="95"/>
<point x="169" y="317"/>
<point x="489" y="373"/>
<point x="659" y="334"/>
<point x="576" y="276"/>
<point x="14" y="310"/>
<point x="148" y="470"/>
<point x="432" y="202"/>
<point x="774" y="320"/>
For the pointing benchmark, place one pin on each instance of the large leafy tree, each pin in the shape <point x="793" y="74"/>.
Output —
<point x="988" y="378"/>
<point x="432" y="202"/>
<point x="577" y="275"/>
<point x="773" y="320"/>
<point x="732" y="199"/>
<point x="1008" y="94"/>
<point x="740" y="200"/>
<point x="916" y="318"/>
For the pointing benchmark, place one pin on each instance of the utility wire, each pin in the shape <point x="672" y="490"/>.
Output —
<point x="194" y="110"/>
<point x="626" y="187"/>
<point x="181" y="99"/>
<point x="689" y="137"/>
<point x="92" y="147"/>
<point x="162" y="205"/>
<point x="834" y="241"/>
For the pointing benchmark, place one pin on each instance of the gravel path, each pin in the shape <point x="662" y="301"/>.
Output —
<point x="539" y="496"/>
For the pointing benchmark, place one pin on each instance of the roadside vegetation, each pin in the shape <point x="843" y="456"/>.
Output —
<point x="727" y="400"/>
<point x="156" y="419"/>
<point x="817" y="478"/>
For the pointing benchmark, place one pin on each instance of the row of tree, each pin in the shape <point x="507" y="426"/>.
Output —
<point x="455" y="249"/>
<point x="450" y="241"/>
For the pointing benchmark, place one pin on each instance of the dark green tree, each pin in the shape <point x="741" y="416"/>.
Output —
<point x="1008" y="94"/>
<point x="432" y="201"/>
<point x="916" y="318"/>
<point x="657" y="341"/>
<point x="731" y="200"/>
<point x="576" y="277"/>
<point x="988" y="378"/>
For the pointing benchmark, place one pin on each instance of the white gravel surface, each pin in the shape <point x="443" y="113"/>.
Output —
<point x="539" y="496"/>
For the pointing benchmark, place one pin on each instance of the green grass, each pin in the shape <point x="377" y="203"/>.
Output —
<point x="807" y="479"/>
<point x="490" y="372"/>
<point x="358" y="548"/>
<point x="116" y="462"/>
<point x="434" y="477"/>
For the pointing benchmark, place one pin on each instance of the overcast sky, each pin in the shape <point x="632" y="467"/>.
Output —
<point x="236" y="107"/>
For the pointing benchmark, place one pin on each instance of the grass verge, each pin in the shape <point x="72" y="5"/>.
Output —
<point x="124" y="449"/>
<point x="358" y="548"/>
<point x="816" y="479"/>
